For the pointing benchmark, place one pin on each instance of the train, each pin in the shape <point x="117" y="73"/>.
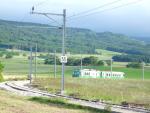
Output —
<point x="91" y="73"/>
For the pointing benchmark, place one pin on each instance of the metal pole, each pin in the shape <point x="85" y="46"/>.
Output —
<point x="81" y="62"/>
<point x="143" y="65"/>
<point x="30" y="76"/>
<point x="35" y="60"/>
<point x="63" y="50"/>
<point x="63" y="43"/>
<point x="111" y="66"/>
<point x="55" y="64"/>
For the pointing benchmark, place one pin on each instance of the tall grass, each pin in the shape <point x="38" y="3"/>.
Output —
<point x="115" y="91"/>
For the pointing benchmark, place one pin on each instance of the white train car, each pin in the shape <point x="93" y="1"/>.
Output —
<point x="91" y="73"/>
<point x="109" y="74"/>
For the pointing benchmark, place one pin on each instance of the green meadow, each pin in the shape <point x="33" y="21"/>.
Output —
<point x="19" y="66"/>
<point x="132" y="89"/>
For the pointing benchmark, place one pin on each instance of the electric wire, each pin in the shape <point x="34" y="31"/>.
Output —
<point x="52" y="20"/>
<point x="109" y="9"/>
<point x="41" y="3"/>
<point x="96" y="8"/>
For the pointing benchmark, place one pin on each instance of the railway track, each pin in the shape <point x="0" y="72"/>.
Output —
<point x="19" y="87"/>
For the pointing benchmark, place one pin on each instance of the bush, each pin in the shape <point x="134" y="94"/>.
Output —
<point x="134" y="65"/>
<point x="100" y="63"/>
<point x="15" y="53"/>
<point x="85" y="61"/>
<point x="90" y="60"/>
<point x="1" y="69"/>
<point x="108" y="62"/>
<point x="1" y="78"/>
<point x="1" y="54"/>
<point x="108" y="108"/>
<point x="73" y="62"/>
<point x="49" y="59"/>
<point x="24" y="54"/>
<point x="8" y="56"/>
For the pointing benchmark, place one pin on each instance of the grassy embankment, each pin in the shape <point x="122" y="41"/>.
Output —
<point x="17" y="104"/>
<point x="115" y="91"/>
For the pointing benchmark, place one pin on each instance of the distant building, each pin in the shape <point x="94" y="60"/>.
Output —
<point x="91" y="73"/>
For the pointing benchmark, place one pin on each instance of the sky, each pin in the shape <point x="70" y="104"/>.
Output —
<point x="132" y="20"/>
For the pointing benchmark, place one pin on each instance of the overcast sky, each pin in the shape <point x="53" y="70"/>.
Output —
<point x="132" y="20"/>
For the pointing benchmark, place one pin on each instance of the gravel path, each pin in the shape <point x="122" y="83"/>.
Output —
<point x="20" y="88"/>
<point x="18" y="92"/>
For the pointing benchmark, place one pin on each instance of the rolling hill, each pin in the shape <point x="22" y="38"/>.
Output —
<point x="21" y="34"/>
<point x="144" y="39"/>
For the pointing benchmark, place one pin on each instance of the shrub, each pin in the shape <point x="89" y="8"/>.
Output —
<point x="24" y="54"/>
<point x="73" y="62"/>
<point x="90" y="60"/>
<point x="15" y="53"/>
<point x="8" y="56"/>
<point x="108" y="108"/>
<point x="100" y="63"/>
<point x="108" y="62"/>
<point x="49" y="59"/>
<point x="1" y="69"/>
<point x="1" y="54"/>
<point x="134" y="65"/>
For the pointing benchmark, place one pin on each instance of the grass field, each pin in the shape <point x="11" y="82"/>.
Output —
<point x="107" y="53"/>
<point x="19" y="66"/>
<point x="115" y="91"/>
<point x="10" y="103"/>
<point x="132" y="89"/>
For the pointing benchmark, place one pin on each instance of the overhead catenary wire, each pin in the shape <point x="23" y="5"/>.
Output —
<point x="46" y="15"/>
<point x="41" y="3"/>
<point x="96" y="8"/>
<point x="54" y="21"/>
<point x="109" y="9"/>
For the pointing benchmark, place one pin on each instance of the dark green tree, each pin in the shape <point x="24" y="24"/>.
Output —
<point x="134" y="65"/>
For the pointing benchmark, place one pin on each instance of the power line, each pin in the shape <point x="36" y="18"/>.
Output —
<point x="23" y="17"/>
<point x="53" y="20"/>
<point x="47" y="15"/>
<point x="96" y="8"/>
<point x="41" y="3"/>
<point x="109" y="9"/>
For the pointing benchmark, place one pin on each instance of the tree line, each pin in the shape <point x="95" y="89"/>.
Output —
<point x="72" y="61"/>
<point x="132" y="58"/>
<point x="8" y="54"/>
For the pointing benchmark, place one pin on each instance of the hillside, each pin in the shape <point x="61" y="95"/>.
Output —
<point x="144" y="39"/>
<point x="20" y="35"/>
